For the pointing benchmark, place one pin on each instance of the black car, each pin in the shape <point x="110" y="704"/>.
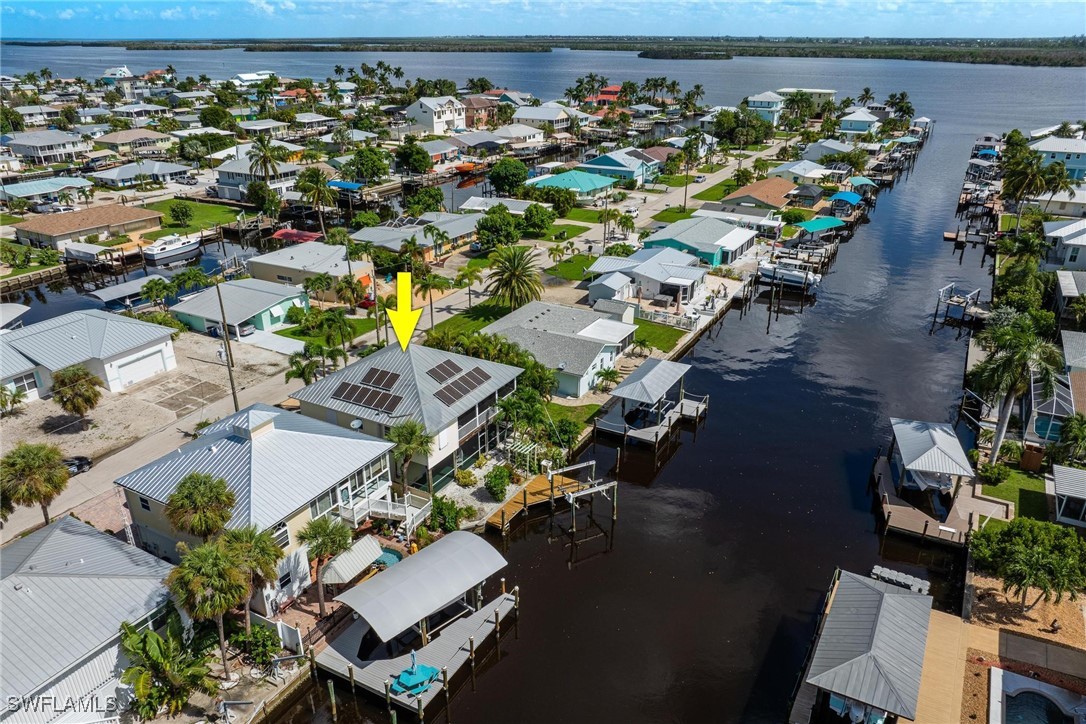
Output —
<point x="78" y="464"/>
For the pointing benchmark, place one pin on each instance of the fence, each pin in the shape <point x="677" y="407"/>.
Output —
<point x="661" y="317"/>
<point x="290" y="636"/>
<point x="324" y="627"/>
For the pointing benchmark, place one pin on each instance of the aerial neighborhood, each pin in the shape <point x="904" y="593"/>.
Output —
<point x="306" y="381"/>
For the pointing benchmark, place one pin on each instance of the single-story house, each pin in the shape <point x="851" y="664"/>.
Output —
<point x="713" y="241"/>
<point x="92" y="115"/>
<point x="625" y="164"/>
<point x="1069" y="489"/>
<point x="260" y="303"/>
<point x="240" y="152"/>
<point x="478" y="141"/>
<point x="93" y="130"/>
<point x="198" y="130"/>
<point x="556" y="117"/>
<point x="453" y="396"/>
<point x="643" y="110"/>
<point x="45" y="189"/>
<point x="769" y="193"/>
<point x="516" y="207"/>
<point x="586" y="186"/>
<point x="652" y="273"/>
<point x="800" y="172"/>
<point x="66" y="590"/>
<point x="1072" y="285"/>
<point x="314" y="122"/>
<point x="135" y="111"/>
<point x="136" y="140"/>
<point x="194" y="97"/>
<point x="285" y="470"/>
<point x="460" y="228"/>
<point x="806" y="195"/>
<point x="766" y="222"/>
<point x="440" y="151"/>
<point x="264" y="127"/>
<point x="233" y="177"/>
<point x="356" y="136"/>
<point x="128" y="175"/>
<point x="44" y="147"/>
<point x="294" y="264"/>
<point x="520" y="133"/>
<point x="1067" y="242"/>
<point x="119" y="350"/>
<point x="576" y="343"/>
<point x="826" y="147"/>
<point x="57" y="230"/>
<point x="1064" y="203"/>
<point x="660" y="153"/>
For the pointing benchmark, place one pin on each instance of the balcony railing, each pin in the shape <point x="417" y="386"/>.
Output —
<point x="413" y="509"/>
<point x="476" y="422"/>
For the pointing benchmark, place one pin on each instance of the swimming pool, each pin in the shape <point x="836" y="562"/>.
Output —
<point x="1029" y="707"/>
<point x="1017" y="699"/>
<point x="389" y="556"/>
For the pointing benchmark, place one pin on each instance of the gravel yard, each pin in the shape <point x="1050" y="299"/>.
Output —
<point x="995" y="610"/>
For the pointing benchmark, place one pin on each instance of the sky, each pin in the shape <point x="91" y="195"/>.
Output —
<point x="175" y="19"/>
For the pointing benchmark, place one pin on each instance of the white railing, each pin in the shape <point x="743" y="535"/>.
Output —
<point x="478" y="421"/>
<point x="412" y="509"/>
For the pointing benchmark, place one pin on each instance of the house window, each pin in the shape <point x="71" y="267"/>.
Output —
<point x="320" y="505"/>
<point x="285" y="580"/>
<point x="145" y="503"/>
<point x="281" y="534"/>
<point x="284" y="278"/>
<point x="1074" y="256"/>
<point x="25" y="383"/>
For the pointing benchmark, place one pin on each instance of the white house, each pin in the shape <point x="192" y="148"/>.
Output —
<point x="1069" y="488"/>
<point x="818" y="95"/>
<point x="542" y="116"/>
<point x="128" y="175"/>
<point x="235" y="176"/>
<point x="38" y="115"/>
<point x="264" y="127"/>
<point x="314" y="122"/>
<point x="767" y="105"/>
<point x="1067" y="243"/>
<point x="45" y="147"/>
<point x="520" y="133"/>
<point x="826" y="147"/>
<point x="441" y="115"/>
<point x="800" y="172"/>
<point x="648" y="273"/>
<point x="136" y="111"/>
<point x="119" y="350"/>
<point x="1065" y="203"/>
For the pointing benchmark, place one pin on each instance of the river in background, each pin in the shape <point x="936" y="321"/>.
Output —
<point x="704" y="607"/>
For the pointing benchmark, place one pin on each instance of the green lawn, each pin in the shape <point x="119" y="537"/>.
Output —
<point x="554" y="231"/>
<point x="710" y="168"/>
<point x="474" y="319"/>
<point x="1026" y="491"/>
<point x="1008" y="222"/>
<point x="789" y="231"/>
<point x="360" y="327"/>
<point x="660" y="336"/>
<point x="675" y="213"/>
<point x="756" y="147"/>
<point x="677" y="180"/>
<point x="479" y="262"/>
<point x="808" y="214"/>
<point x="581" y="414"/>
<point x="32" y="267"/>
<point x="204" y="216"/>
<point x="717" y="191"/>
<point x="8" y="219"/>
<point x="585" y="216"/>
<point x="784" y="134"/>
<point x="572" y="267"/>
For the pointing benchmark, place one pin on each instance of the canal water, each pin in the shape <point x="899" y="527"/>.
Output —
<point x="702" y="604"/>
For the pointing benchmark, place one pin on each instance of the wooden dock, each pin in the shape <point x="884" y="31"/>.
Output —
<point x="902" y="517"/>
<point x="448" y="652"/>
<point x="539" y="490"/>
<point x="687" y="408"/>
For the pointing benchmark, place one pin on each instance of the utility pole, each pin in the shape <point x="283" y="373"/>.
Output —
<point x="226" y="343"/>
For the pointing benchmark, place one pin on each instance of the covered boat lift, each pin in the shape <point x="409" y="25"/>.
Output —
<point x="124" y="295"/>
<point x="927" y="456"/>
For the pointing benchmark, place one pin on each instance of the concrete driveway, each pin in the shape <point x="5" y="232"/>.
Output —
<point x="273" y="342"/>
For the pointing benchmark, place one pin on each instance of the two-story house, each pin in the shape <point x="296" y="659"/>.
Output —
<point x="1069" y="151"/>
<point x="453" y="396"/>
<point x="265" y="127"/>
<point x="285" y="470"/>
<point x="624" y="163"/>
<point x="441" y="115"/>
<point x="44" y="147"/>
<point x="768" y="106"/>
<point x="38" y="115"/>
<point x="234" y="177"/>
<point x="543" y="116"/>
<point x="136" y="141"/>
<point x="141" y="111"/>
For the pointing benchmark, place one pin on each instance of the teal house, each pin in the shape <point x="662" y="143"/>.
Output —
<point x="624" y="164"/>
<point x="587" y="186"/>
<point x="257" y="302"/>
<point x="712" y="241"/>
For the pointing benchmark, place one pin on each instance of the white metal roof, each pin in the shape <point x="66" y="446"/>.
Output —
<point x="608" y="330"/>
<point x="243" y="299"/>
<point x="402" y="595"/>
<point x="1069" y="481"/>
<point x="352" y="561"/>
<point x="651" y="381"/>
<point x="930" y="447"/>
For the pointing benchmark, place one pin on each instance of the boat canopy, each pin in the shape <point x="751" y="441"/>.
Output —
<point x="352" y="561"/>
<point x="125" y="289"/>
<point x="346" y="185"/>
<point x="930" y="447"/>
<point x="987" y="152"/>
<point x="406" y="593"/>
<point x="861" y="181"/>
<point x="822" y="223"/>
<point x="651" y="381"/>
<point x="908" y="140"/>
<point x="849" y="197"/>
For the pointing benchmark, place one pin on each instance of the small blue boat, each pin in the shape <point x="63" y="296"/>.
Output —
<point x="415" y="679"/>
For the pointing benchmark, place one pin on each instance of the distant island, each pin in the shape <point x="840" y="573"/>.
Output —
<point x="1062" y="52"/>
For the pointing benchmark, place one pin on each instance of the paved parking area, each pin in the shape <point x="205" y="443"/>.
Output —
<point x="181" y="393"/>
<point x="273" y="342"/>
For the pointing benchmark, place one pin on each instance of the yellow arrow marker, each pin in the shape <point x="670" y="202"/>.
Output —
<point x="404" y="319"/>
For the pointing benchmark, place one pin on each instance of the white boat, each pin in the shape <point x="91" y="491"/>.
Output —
<point x="170" y="247"/>
<point x="790" y="273"/>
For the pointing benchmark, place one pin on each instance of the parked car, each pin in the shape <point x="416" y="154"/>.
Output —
<point x="369" y="302"/>
<point x="212" y="193"/>
<point x="188" y="180"/>
<point x="476" y="246"/>
<point x="78" y="464"/>
<point x="699" y="179"/>
<point x="235" y="331"/>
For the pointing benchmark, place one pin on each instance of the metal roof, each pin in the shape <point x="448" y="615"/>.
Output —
<point x="352" y="561"/>
<point x="414" y="386"/>
<point x="1069" y="481"/>
<point x="1074" y="349"/>
<point x="44" y="186"/>
<point x="404" y="594"/>
<point x="241" y="151"/>
<point x="651" y="381"/>
<point x="245" y="166"/>
<point x="10" y="311"/>
<point x="66" y="589"/>
<point x="124" y="289"/>
<point x="849" y="197"/>
<point x="871" y="647"/>
<point x="242" y="298"/>
<point x="36" y="139"/>
<point x="704" y="233"/>
<point x="148" y="168"/>
<point x="76" y="337"/>
<point x="821" y="223"/>
<point x="275" y="462"/>
<point x="930" y="447"/>
<point x="580" y="181"/>
<point x="612" y="280"/>
<point x="313" y="257"/>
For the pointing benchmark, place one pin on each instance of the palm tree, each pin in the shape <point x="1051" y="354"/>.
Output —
<point x="192" y="278"/>
<point x="313" y="184"/>
<point x="1057" y="180"/>
<point x="866" y="96"/>
<point x="412" y="252"/>
<point x="556" y="253"/>
<point x="1026" y="569"/>
<point x="77" y="391"/>
<point x="1072" y="444"/>
<point x="427" y="285"/>
<point x="11" y="399"/>
<point x="325" y="537"/>
<point x="608" y="376"/>
<point x="1024" y="178"/>
<point x="257" y="555"/>
<point x="514" y="276"/>
<point x="339" y="237"/>
<point x="1016" y="355"/>
<point x="157" y="290"/>
<point x="201" y="505"/>
<point x="411" y="440"/>
<point x="321" y="282"/>
<point x="208" y="583"/>
<point x="438" y="238"/>
<point x="468" y="276"/>
<point x="301" y="367"/>
<point x="350" y="291"/>
<point x="164" y="670"/>
<point x="33" y="474"/>
<point x="761" y="166"/>
<point x="264" y="157"/>
<point x="337" y="328"/>
<point x="384" y="304"/>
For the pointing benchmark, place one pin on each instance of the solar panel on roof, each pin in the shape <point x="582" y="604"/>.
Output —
<point x="445" y="396"/>
<point x="392" y="404"/>
<point x="444" y="371"/>
<point x="345" y="392"/>
<point x="380" y="378"/>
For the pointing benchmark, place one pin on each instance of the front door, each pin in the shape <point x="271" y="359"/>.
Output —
<point x="345" y="495"/>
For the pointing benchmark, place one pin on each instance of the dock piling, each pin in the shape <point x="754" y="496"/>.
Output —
<point x="388" y="699"/>
<point x="421" y="713"/>
<point x="448" y="696"/>
<point x="332" y="699"/>
<point x="471" y="658"/>
<point x="350" y="675"/>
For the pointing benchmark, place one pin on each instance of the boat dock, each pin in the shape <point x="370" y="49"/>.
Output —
<point x="902" y="517"/>
<point x="690" y="407"/>
<point x="540" y="489"/>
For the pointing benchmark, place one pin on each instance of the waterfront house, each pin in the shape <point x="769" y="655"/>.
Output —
<point x="825" y="147"/>
<point x="586" y="186"/>
<point x="769" y="193"/>
<point x="1072" y="285"/>
<point x="59" y="230"/>
<point x="192" y="98"/>
<point x="440" y="151"/>
<point x="543" y="117"/>
<point x="66" y="590"/>
<point x="474" y="141"/>
<point x="651" y="274"/>
<point x="818" y="95"/>
<point x="713" y="241"/>
<point x="644" y="110"/>
<point x="1067" y="243"/>
<point x="141" y="111"/>
<point x="806" y="195"/>
<point x="93" y="130"/>
<point x="45" y="147"/>
<point x="247" y="79"/>
<point x="264" y="127"/>
<point x="234" y="177"/>
<point x="453" y="396"/>
<point x="46" y="189"/>
<point x="800" y="172"/>
<point x="240" y="152"/>
<point x="37" y="115"/>
<point x="460" y="228"/>
<point x="136" y="141"/>
<point x="1065" y="203"/>
<point x="285" y="470"/>
<point x="575" y="343"/>
<point x="131" y="174"/>
<point x="311" y="122"/>
<point x="868" y="653"/>
<point x="859" y="122"/>
<point x="294" y="264"/>
<point x="625" y="164"/>
<point x="260" y="303"/>
<point x="479" y="111"/>
<point x="844" y="203"/>
<point x="120" y="351"/>
<point x="516" y="207"/>
<point x="1070" y="151"/>
<point x="519" y="133"/>
<point x="708" y="121"/>
<point x="927" y="456"/>
<point x="768" y="106"/>
<point x="1069" y="489"/>
<point x="355" y="135"/>
<point x="184" y="133"/>
<point x="439" y="115"/>
<point x="766" y="222"/>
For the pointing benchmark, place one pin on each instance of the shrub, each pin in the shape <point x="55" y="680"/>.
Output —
<point x="619" y="196"/>
<point x="793" y="216"/>
<point x="1011" y="451"/>
<point x="497" y="480"/>
<point x="445" y="514"/>
<point x="295" y="315"/>
<point x="481" y="461"/>
<point x="204" y="423"/>
<point x="994" y="473"/>
<point x="630" y="184"/>
<point x="464" y="478"/>
<point x="92" y="238"/>
<point x="262" y="644"/>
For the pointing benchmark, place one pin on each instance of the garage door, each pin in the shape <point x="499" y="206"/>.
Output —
<point x="140" y="369"/>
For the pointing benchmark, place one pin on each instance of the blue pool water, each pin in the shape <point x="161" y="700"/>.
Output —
<point x="389" y="556"/>
<point x="1032" y="708"/>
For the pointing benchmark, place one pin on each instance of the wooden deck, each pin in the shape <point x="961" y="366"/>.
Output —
<point x="687" y="408"/>
<point x="538" y="490"/>
<point x="903" y="517"/>
<point x="449" y="648"/>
